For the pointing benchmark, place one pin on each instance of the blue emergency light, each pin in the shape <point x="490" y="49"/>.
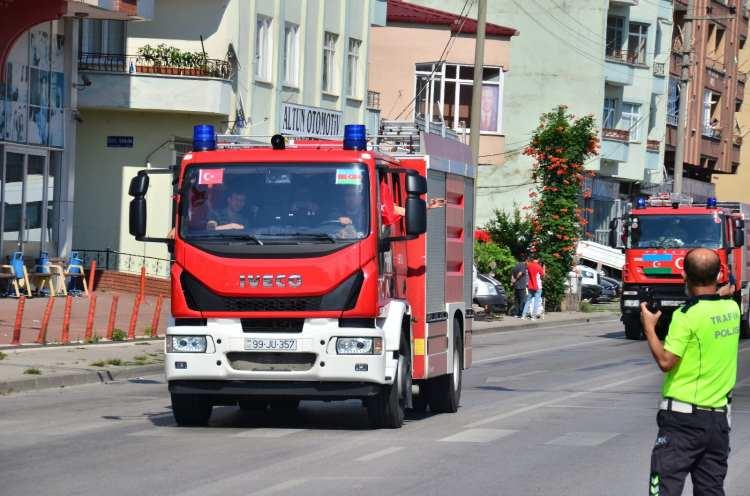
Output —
<point x="640" y="202"/>
<point x="355" y="137"/>
<point x="204" y="138"/>
<point x="711" y="202"/>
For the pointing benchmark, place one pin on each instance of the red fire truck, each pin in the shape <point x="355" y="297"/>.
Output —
<point x="297" y="276"/>
<point x="658" y="233"/>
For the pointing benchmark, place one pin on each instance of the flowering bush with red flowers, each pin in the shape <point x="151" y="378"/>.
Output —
<point x="559" y="146"/>
<point x="482" y="236"/>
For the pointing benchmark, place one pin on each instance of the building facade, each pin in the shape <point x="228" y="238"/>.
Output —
<point x="39" y="116"/>
<point x="417" y="86"/>
<point x="250" y="68"/>
<point x="716" y="90"/>
<point x="604" y="58"/>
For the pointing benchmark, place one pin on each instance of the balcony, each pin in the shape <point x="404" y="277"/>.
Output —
<point x="134" y="83"/>
<point x="615" y="145"/>
<point x="127" y="10"/>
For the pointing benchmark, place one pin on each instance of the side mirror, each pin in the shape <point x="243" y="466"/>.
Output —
<point x="138" y="185"/>
<point x="613" y="233"/>
<point x="739" y="233"/>
<point x="416" y="215"/>
<point x="416" y="184"/>
<point x="138" y="217"/>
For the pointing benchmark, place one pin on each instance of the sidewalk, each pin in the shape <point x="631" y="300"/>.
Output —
<point x="508" y="323"/>
<point x="28" y="368"/>
<point x="24" y="369"/>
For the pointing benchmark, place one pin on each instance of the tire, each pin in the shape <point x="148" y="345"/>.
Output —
<point x="285" y="405"/>
<point x="420" y="402"/>
<point x="191" y="410"/>
<point x="445" y="391"/>
<point x="386" y="410"/>
<point x="252" y="405"/>
<point x="633" y="330"/>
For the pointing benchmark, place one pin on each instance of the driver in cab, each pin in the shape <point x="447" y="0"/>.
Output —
<point x="230" y="217"/>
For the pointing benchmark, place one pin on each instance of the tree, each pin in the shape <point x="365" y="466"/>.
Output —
<point x="511" y="230"/>
<point x="560" y="146"/>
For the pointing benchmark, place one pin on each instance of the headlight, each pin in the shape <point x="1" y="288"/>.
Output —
<point x="631" y="303"/>
<point x="359" y="346"/>
<point x="186" y="344"/>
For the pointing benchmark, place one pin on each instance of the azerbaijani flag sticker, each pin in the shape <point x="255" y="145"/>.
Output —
<point x="656" y="259"/>
<point x="352" y="177"/>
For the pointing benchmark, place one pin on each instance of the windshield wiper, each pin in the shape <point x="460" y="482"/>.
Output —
<point x="303" y="235"/>
<point x="227" y="237"/>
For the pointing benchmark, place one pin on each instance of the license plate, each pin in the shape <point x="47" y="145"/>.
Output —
<point x="261" y="344"/>
<point x="671" y="303"/>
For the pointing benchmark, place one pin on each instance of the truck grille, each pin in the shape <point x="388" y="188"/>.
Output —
<point x="272" y="325"/>
<point x="271" y="362"/>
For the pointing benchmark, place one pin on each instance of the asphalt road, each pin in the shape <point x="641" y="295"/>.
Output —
<point x="568" y="410"/>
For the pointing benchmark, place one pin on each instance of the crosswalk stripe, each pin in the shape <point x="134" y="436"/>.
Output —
<point x="583" y="439"/>
<point x="478" y="435"/>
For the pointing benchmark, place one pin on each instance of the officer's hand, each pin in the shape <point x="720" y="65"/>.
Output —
<point x="345" y="221"/>
<point x="648" y="318"/>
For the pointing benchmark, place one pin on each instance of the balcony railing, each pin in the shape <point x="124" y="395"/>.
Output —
<point x="616" y="135"/>
<point x="653" y="145"/>
<point x="710" y="132"/>
<point x="659" y="69"/>
<point x="373" y="100"/>
<point x="133" y="64"/>
<point x="626" y="57"/>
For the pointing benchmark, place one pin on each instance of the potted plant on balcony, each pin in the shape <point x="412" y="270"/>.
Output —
<point x="146" y="59"/>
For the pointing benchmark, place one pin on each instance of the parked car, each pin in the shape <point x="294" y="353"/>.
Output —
<point x="590" y="292"/>
<point x="609" y="291"/>
<point x="588" y="275"/>
<point x="617" y="284"/>
<point x="489" y="293"/>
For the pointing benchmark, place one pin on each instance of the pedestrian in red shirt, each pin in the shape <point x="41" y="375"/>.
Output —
<point x="533" y="306"/>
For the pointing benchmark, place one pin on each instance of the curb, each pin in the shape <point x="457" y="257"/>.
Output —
<point x="85" y="377"/>
<point x="76" y="344"/>
<point x="588" y="319"/>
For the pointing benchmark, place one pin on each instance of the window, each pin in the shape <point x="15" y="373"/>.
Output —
<point x="291" y="54"/>
<point x="263" y="48"/>
<point x="610" y="113"/>
<point x="615" y="32"/>
<point x="711" y="121"/>
<point x="444" y="96"/>
<point x="329" y="62"/>
<point x="637" y="41"/>
<point x="657" y="42"/>
<point x="673" y="102"/>
<point x="630" y="117"/>
<point x="102" y="37"/>
<point x="352" y="83"/>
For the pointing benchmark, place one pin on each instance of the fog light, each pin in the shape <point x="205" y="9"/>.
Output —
<point x="361" y="367"/>
<point x="180" y="365"/>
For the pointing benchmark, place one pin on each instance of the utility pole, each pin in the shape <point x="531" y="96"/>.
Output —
<point x="682" y="117"/>
<point x="476" y="97"/>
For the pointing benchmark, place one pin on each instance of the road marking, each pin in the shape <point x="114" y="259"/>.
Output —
<point x="495" y="380"/>
<point x="478" y="435"/>
<point x="379" y="454"/>
<point x="567" y="397"/>
<point x="542" y="350"/>
<point x="599" y="407"/>
<point x="268" y="433"/>
<point x="583" y="438"/>
<point x="541" y="328"/>
<point x="277" y="488"/>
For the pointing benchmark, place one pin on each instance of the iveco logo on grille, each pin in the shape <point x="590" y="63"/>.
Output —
<point x="270" y="281"/>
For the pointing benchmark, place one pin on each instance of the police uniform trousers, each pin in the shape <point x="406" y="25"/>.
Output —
<point x="690" y="443"/>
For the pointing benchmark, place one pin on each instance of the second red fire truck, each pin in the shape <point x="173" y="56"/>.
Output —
<point x="658" y="233"/>
<point x="317" y="271"/>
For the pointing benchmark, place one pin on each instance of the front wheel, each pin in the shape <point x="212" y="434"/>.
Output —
<point x="386" y="410"/>
<point x="633" y="330"/>
<point x="191" y="409"/>
<point x="445" y="391"/>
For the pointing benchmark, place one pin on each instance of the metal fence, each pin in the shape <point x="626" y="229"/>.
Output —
<point x="126" y="262"/>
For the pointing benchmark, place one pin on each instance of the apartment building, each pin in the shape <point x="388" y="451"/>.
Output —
<point x="604" y="58"/>
<point x="713" y="138"/>
<point x="39" y="88"/>
<point x="245" y="66"/>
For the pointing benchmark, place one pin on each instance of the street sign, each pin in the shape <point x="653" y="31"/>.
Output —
<point x="310" y="122"/>
<point x="119" y="142"/>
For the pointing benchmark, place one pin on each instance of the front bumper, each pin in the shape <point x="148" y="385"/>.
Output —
<point x="276" y="389"/>
<point x="669" y="297"/>
<point x="227" y="366"/>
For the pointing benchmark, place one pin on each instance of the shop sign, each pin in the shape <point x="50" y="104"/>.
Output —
<point x="312" y="122"/>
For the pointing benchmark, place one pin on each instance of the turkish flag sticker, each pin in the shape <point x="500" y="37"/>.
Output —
<point x="211" y="176"/>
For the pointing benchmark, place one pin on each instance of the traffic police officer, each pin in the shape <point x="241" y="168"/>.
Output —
<point x="699" y="357"/>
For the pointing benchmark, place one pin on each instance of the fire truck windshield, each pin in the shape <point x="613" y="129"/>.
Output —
<point x="675" y="231"/>
<point x="275" y="203"/>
